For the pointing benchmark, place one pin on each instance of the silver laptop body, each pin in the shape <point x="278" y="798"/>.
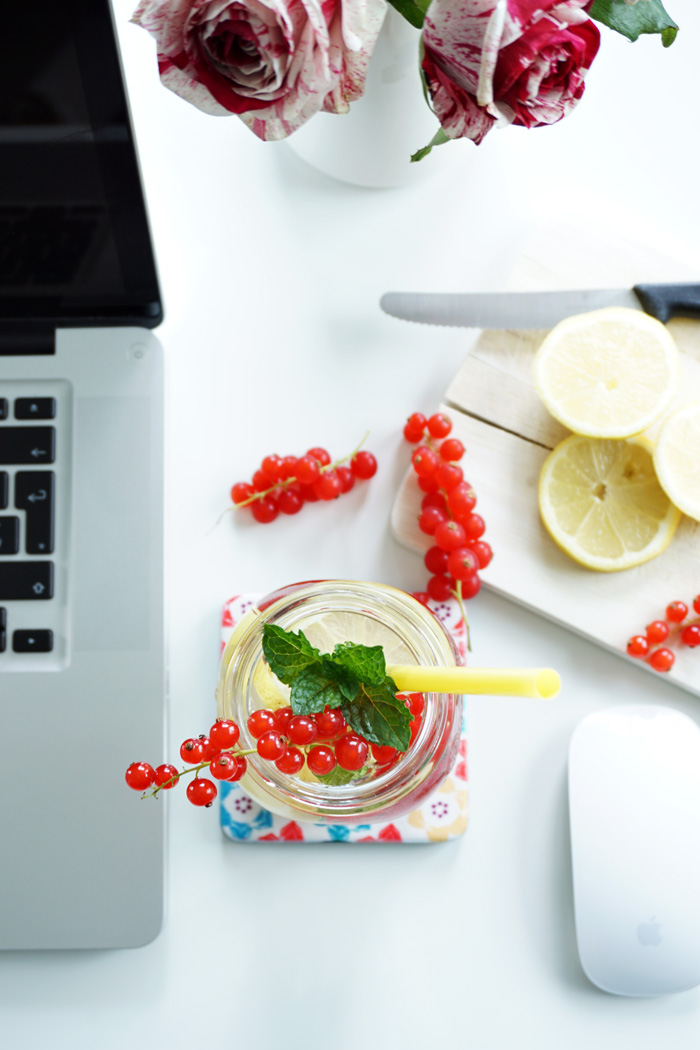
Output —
<point x="82" y="676"/>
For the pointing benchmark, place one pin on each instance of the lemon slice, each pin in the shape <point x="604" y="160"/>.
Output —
<point x="270" y="690"/>
<point x="601" y="502"/>
<point x="677" y="461"/>
<point x="325" y="632"/>
<point x="609" y="373"/>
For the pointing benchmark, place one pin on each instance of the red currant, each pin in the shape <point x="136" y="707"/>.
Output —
<point x="474" y="526"/>
<point x="265" y="510"/>
<point x="270" y="467"/>
<point x="415" y="703"/>
<point x="690" y="635"/>
<point x="224" y="733"/>
<point x="301" y="729"/>
<point x="308" y="470"/>
<point x="329" y="724"/>
<point x="449" y="535"/>
<point x="260" y="721"/>
<point x="242" y="762"/>
<point x="439" y="425"/>
<point x="637" y="646"/>
<point x="662" y="660"/>
<point x="462" y="563"/>
<point x="241" y="491"/>
<point x="271" y="745"/>
<point x="483" y="552"/>
<point x="449" y="476"/>
<point x="321" y="760"/>
<point x="425" y="461"/>
<point x="383" y="755"/>
<point x="696" y="604"/>
<point x="471" y="587"/>
<point x="328" y="486"/>
<point x="429" y="520"/>
<point x="346" y="478"/>
<point x="191" y="751"/>
<point x="415" y="726"/>
<point x="676" y="612"/>
<point x="288" y="467"/>
<point x="201" y="792"/>
<point x="440" y="588"/>
<point x="290" y="501"/>
<point x="351" y="751"/>
<point x="260" y="481"/>
<point x="434" y="499"/>
<point x="209" y="750"/>
<point x="421" y="596"/>
<point x="452" y="449"/>
<point x="140" y="776"/>
<point x="462" y="499"/>
<point x="363" y="465"/>
<point x="321" y="456"/>
<point x="291" y="762"/>
<point x="657" y="631"/>
<point x="428" y="483"/>
<point x="435" y="560"/>
<point x="166" y="777"/>
<point x="308" y="493"/>
<point x="224" y="767"/>
<point x="415" y="427"/>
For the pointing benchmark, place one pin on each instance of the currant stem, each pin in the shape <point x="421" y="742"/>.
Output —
<point x="458" y="595"/>
<point x="195" y="769"/>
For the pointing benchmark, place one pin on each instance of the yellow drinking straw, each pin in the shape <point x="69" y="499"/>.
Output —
<point x="540" y="682"/>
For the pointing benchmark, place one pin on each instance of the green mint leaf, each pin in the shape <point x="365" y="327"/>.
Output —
<point x="312" y="690"/>
<point x="341" y="776"/>
<point x="438" y="139"/>
<point x="632" y="20"/>
<point x="380" y="716"/>
<point x="412" y="10"/>
<point x="365" y="662"/>
<point x="287" y="653"/>
<point x="346" y="681"/>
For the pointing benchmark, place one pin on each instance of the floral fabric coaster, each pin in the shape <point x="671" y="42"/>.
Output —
<point x="442" y="817"/>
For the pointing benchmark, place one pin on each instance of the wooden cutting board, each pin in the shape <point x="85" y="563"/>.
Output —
<point x="508" y="434"/>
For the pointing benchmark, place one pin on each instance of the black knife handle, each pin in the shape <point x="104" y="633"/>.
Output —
<point x="665" y="301"/>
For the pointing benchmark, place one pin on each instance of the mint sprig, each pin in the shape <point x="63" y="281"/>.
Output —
<point x="353" y="677"/>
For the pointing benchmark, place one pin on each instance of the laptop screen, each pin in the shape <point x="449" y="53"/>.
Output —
<point x="74" y="241"/>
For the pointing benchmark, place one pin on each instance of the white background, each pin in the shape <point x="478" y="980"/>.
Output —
<point x="271" y="275"/>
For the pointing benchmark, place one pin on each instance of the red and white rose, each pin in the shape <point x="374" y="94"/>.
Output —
<point x="274" y="63"/>
<point x="505" y="61"/>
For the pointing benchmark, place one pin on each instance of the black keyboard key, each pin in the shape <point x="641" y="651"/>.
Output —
<point x="35" y="408"/>
<point x="34" y="492"/>
<point x="26" y="580"/>
<point x="27" y="445"/>
<point x="9" y="535"/>
<point x="3" y="630"/>
<point x="32" y="641"/>
<point x="3" y="408"/>
<point x="4" y="489"/>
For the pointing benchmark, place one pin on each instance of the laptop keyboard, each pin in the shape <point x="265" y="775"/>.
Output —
<point x="34" y="464"/>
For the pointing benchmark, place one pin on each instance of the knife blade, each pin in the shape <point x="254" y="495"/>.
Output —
<point x="538" y="309"/>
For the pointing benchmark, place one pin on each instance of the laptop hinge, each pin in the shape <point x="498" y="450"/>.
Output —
<point x="24" y="340"/>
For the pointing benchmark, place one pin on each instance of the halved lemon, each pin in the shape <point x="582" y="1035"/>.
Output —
<point x="602" y="503"/>
<point x="326" y="631"/>
<point x="609" y="373"/>
<point x="677" y="460"/>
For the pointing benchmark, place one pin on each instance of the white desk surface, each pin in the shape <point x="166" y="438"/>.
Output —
<point x="271" y="275"/>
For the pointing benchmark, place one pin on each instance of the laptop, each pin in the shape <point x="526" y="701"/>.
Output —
<point x="82" y="677"/>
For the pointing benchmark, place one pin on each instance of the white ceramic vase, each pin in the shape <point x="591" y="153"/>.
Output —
<point x="372" y="144"/>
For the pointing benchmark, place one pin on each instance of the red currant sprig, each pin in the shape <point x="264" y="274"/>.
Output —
<point x="447" y="513"/>
<point x="675" y="627"/>
<point x="284" y="484"/>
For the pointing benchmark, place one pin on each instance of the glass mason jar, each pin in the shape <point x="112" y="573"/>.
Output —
<point x="367" y="613"/>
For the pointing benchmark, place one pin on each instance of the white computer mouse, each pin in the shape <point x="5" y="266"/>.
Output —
<point x="634" y="801"/>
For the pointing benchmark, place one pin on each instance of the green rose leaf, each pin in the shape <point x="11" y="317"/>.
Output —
<point x="378" y="715"/>
<point x="287" y="653"/>
<point x="365" y="662"/>
<point x="412" y="10"/>
<point x="312" y="690"/>
<point x="341" y="776"/>
<point x="632" y="20"/>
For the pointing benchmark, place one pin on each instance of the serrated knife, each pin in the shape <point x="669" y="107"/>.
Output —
<point x="538" y="309"/>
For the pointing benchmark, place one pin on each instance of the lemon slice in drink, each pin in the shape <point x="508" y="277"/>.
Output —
<point x="609" y="373"/>
<point x="325" y="632"/>
<point x="677" y="460"/>
<point x="602" y="503"/>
